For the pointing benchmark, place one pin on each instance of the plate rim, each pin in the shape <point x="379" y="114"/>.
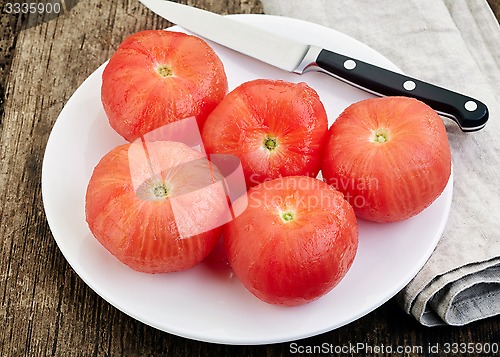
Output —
<point x="212" y="339"/>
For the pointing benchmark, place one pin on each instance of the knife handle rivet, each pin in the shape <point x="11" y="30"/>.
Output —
<point x="349" y="64"/>
<point x="409" y="85"/>
<point x="470" y="106"/>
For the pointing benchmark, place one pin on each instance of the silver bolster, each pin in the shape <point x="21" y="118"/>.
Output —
<point x="309" y="60"/>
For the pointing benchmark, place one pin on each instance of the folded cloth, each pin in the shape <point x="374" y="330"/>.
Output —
<point x="454" y="44"/>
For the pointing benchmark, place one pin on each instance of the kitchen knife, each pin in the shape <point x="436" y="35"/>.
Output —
<point x="469" y="113"/>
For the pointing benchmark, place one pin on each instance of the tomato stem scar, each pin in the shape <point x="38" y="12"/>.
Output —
<point x="154" y="189"/>
<point x="160" y="190"/>
<point x="287" y="216"/>
<point x="164" y="70"/>
<point x="270" y="143"/>
<point x="380" y="136"/>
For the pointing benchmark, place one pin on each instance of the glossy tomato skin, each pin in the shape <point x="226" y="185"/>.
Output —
<point x="156" y="77"/>
<point x="389" y="156"/>
<point x="276" y="128"/>
<point x="139" y="229"/>
<point x="295" y="261"/>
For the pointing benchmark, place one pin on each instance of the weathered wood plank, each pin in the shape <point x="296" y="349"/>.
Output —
<point x="48" y="63"/>
<point x="46" y="308"/>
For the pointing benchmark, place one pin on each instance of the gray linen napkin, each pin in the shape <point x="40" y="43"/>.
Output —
<point x="454" y="44"/>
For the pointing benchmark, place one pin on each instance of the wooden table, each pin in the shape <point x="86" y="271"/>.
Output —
<point x="45" y="307"/>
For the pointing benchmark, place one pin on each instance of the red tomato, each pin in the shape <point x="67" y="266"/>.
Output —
<point x="156" y="208"/>
<point x="156" y="77"/>
<point x="389" y="156"/>
<point x="294" y="242"/>
<point x="276" y="129"/>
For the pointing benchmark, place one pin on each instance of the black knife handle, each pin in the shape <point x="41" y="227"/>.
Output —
<point x="470" y="114"/>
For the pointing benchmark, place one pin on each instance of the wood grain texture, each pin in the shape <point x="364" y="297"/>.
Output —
<point x="45" y="308"/>
<point x="495" y="6"/>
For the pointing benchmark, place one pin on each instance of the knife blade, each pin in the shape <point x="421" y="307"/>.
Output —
<point x="470" y="114"/>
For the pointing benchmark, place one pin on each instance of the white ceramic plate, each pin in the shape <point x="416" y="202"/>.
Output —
<point x="207" y="303"/>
